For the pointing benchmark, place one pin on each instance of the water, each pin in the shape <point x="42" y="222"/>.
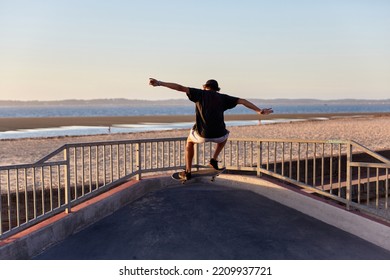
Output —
<point x="84" y="111"/>
<point x="93" y="111"/>
<point x="96" y="130"/>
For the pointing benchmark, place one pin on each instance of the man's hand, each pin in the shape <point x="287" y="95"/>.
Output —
<point x="154" y="82"/>
<point x="265" y="111"/>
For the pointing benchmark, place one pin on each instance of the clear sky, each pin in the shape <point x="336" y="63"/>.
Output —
<point x="86" y="49"/>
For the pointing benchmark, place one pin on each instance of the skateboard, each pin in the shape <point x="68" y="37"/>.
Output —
<point x="207" y="172"/>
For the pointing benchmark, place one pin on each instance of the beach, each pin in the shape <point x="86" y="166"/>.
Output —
<point x="371" y="130"/>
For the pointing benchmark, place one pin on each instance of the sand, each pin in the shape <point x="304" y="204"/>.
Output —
<point x="7" y="124"/>
<point x="370" y="130"/>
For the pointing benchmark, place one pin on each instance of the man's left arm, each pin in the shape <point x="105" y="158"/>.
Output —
<point x="250" y="105"/>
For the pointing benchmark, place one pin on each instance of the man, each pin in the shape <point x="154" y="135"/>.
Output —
<point x="210" y="125"/>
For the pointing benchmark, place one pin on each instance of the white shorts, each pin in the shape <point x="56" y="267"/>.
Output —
<point x="196" y="138"/>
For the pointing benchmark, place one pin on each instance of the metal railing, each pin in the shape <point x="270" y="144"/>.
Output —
<point x="341" y="170"/>
<point x="344" y="171"/>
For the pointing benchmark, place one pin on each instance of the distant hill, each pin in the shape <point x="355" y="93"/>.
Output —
<point x="94" y="102"/>
<point x="185" y="102"/>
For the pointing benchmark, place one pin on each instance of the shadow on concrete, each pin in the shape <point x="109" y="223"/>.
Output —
<point x="207" y="221"/>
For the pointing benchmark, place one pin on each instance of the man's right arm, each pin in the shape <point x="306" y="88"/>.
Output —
<point x="173" y="86"/>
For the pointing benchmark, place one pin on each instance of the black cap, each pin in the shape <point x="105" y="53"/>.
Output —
<point x="212" y="84"/>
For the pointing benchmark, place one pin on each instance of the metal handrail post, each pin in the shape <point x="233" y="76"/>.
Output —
<point x="67" y="181"/>
<point x="138" y="160"/>
<point x="196" y="155"/>
<point x="259" y="158"/>
<point x="349" y="175"/>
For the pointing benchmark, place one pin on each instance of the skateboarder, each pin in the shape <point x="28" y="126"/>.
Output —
<point x="210" y="125"/>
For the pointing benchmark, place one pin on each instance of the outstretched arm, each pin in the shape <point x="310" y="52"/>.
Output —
<point x="174" y="86"/>
<point x="250" y="105"/>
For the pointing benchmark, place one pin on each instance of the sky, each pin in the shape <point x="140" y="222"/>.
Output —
<point x="89" y="49"/>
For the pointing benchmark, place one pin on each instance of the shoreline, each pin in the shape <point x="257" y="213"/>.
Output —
<point x="13" y="124"/>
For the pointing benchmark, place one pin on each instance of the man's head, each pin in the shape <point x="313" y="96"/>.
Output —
<point x="211" y="85"/>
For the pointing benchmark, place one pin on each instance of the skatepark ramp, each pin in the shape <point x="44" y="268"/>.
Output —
<point x="343" y="171"/>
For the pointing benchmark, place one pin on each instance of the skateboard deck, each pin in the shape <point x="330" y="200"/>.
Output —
<point x="208" y="172"/>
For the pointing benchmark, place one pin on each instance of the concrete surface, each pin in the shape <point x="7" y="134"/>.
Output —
<point x="32" y="241"/>
<point x="354" y="222"/>
<point x="210" y="221"/>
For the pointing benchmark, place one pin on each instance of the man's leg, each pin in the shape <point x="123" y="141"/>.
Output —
<point x="218" y="149"/>
<point x="189" y="155"/>
<point x="214" y="159"/>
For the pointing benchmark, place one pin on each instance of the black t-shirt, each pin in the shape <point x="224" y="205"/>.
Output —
<point x="210" y="106"/>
